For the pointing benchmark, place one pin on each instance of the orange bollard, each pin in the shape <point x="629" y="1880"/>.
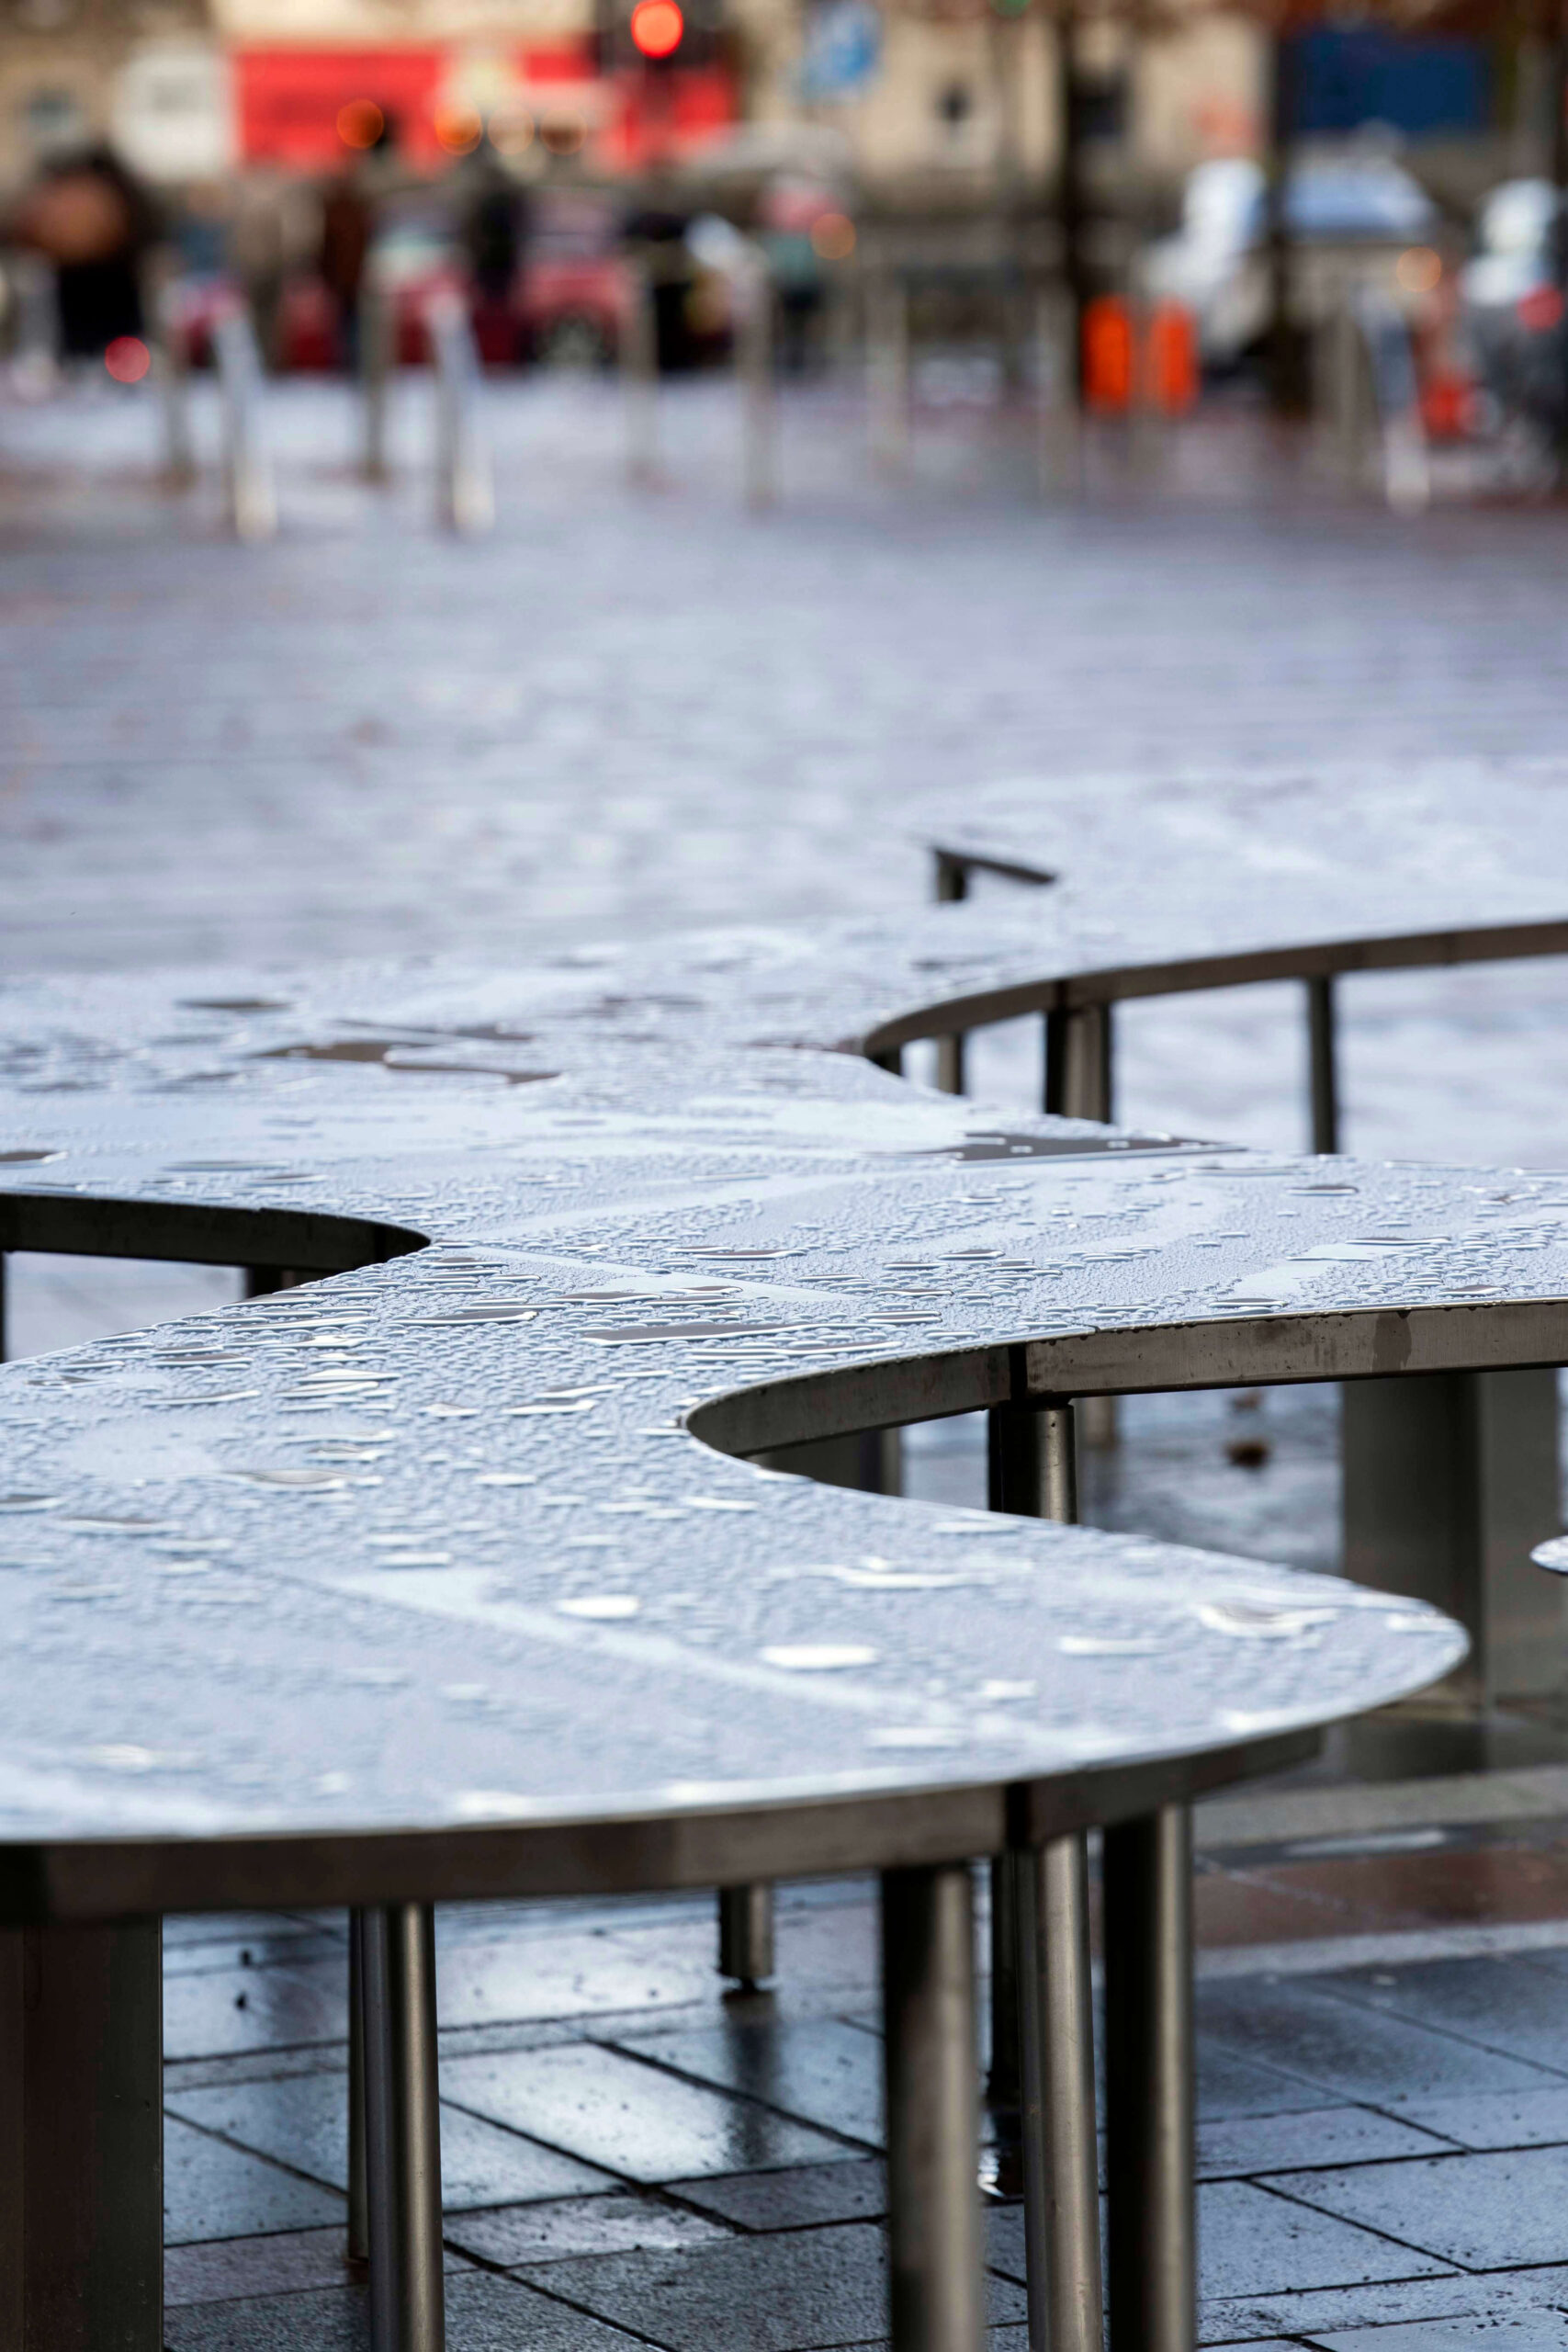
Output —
<point x="1171" y="360"/>
<point x="1107" y="355"/>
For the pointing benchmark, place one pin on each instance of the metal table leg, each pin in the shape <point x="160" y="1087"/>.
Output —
<point x="950" y="878"/>
<point x="1004" y="2077"/>
<point x="402" y="2133"/>
<point x="82" y="2138"/>
<point x="933" y="2207"/>
<point x="1146" y="1876"/>
<point x="358" y="2190"/>
<point x="869" y="1461"/>
<point x="1034" y="1469"/>
<point x="1061" y="2191"/>
<point x="1449" y="1478"/>
<point x="1322" y="1064"/>
<point x="1080" y="1062"/>
<point x="1030" y="1468"/>
<point x="1080" y="1083"/>
<point x="745" y="1933"/>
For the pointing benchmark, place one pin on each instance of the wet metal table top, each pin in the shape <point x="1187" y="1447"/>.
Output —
<point x="439" y="1578"/>
<point x="1199" y="879"/>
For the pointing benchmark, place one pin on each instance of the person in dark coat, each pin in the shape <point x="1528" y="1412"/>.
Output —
<point x="87" y="215"/>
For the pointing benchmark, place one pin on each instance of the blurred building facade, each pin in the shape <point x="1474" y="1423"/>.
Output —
<point x="944" y="106"/>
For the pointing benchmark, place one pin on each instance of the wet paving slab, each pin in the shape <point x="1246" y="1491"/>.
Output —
<point x="699" y="2173"/>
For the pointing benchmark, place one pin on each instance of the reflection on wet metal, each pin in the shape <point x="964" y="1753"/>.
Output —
<point x="492" y="1639"/>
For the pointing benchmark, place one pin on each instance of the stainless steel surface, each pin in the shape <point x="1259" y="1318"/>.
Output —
<point x="403" y="2129"/>
<point x="745" y="1933"/>
<point x="1061" y="2194"/>
<point x="1449" y="1480"/>
<point x="488" y="1451"/>
<point x="587" y="1230"/>
<point x="1151" y="2146"/>
<point x="933" y="2208"/>
<point x="81" y="2140"/>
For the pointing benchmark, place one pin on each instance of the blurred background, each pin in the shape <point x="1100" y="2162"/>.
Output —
<point x="1152" y="210"/>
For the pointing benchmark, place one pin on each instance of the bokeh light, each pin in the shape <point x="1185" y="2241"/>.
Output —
<point x="459" y="129"/>
<point x="128" y="359"/>
<point x="833" y="237"/>
<point x="511" y="135"/>
<point x="657" y="27"/>
<point x="1541" y="309"/>
<point x="360" y="123"/>
<point x="563" y="134"/>
<point x="1418" y="269"/>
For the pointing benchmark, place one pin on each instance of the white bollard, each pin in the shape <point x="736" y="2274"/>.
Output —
<point x="465" y="483"/>
<point x="247" y="471"/>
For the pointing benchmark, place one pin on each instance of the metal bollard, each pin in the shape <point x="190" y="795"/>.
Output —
<point x="1374" y="384"/>
<point x="1059" y="449"/>
<point x="247" y="473"/>
<point x="1143" y="415"/>
<point x="639" y="376"/>
<point x="376" y="357"/>
<point x="465" y="485"/>
<point x="754" y="371"/>
<point x="172" y="380"/>
<point x="887" y="371"/>
<point x="35" y="337"/>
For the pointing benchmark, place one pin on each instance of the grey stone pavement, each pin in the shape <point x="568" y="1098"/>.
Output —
<point x="625" y="711"/>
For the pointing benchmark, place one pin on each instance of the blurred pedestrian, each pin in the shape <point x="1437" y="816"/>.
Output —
<point x="267" y="240"/>
<point x="95" y="226"/>
<point x="350" y="211"/>
<point x="655" y="232"/>
<point x="493" y="229"/>
<point x="788" y="214"/>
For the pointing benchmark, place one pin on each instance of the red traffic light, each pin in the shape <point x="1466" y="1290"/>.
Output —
<point x="657" y="27"/>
